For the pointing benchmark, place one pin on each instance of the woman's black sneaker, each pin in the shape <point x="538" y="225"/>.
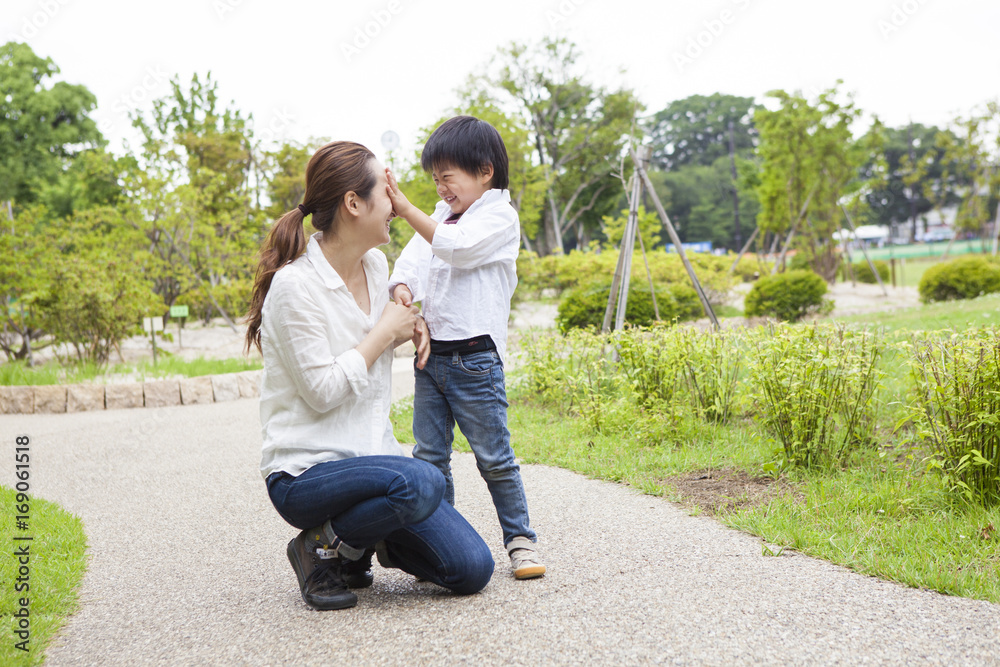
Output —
<point x="321" y="580"/>
<point x="358" y="573"/>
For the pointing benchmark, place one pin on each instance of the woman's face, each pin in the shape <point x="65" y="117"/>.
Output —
<point x="375" y="223"/>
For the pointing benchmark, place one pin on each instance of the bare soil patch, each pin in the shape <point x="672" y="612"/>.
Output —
<point x="714" y="491"/>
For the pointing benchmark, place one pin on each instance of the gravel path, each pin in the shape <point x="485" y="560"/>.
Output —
<point x="188" y="567"/>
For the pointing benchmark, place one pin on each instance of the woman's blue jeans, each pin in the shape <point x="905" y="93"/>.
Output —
<point x="470" y="389"/>
<point x="397" y="499"/>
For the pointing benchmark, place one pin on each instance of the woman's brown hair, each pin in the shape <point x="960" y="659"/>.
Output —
<point x="334" y="170"/>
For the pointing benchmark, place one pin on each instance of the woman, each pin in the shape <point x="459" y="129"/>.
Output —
<point x="321" y="316"/>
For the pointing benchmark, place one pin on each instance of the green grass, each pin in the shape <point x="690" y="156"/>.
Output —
<point x="883" y="520"/>
<point x="881" y="517"/>
<point x="57" y="563"/>
<point x="910" y="271"/>
<point x="18" y="373"/>
<point x="982" y="311"/>
<point x="882" y="514"/>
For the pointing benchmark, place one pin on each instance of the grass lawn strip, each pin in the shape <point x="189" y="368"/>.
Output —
<point x="57" y="563"/>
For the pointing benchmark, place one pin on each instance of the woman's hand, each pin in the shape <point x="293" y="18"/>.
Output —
<point x="396" y="323"/>
<point x="401" y="206"/>
<point x="399" y="320"/>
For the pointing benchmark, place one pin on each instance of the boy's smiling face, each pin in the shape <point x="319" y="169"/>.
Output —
<point x="460" y="189"/>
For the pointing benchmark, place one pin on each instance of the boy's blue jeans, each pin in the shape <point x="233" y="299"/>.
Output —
<point x="392" y="498"/>
<point x="469" y="389"/>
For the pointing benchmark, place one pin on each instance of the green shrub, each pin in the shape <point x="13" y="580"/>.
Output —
<point x="585" y="306"/>
<point x="957" y="377"/>
<point x="592" y="268"/>
<point x="94" y="304"/>
<point x="815" y="388"/>
<point x="712" y="363"/>
<point x="787" y="296"/>
<point x="863" y="272"/>
<point x="962" y="278"/>
<point x="750" y="267"/>
<point x="798" y="262"/>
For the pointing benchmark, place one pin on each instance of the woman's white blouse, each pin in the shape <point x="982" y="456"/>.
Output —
<point x="318" y="401"/>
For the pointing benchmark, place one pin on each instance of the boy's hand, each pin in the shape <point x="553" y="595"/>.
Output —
<point x="402" y="295"/>
<point x="422" y="341"/>
<point x="401" y="206"/>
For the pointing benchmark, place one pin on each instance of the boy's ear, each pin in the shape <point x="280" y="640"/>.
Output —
<point x="486" y="173"/>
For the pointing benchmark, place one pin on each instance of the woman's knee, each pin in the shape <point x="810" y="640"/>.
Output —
<point x="473" y="571"/>
<point x="417" y="491"/>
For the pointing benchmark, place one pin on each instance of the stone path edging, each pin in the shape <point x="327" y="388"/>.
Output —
<point x="53" y="399"/>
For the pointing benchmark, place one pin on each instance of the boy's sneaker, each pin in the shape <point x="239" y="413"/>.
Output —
<point x="321" y="581"/>
<point x="524" y="559"/>
<point x="358" y="573"/>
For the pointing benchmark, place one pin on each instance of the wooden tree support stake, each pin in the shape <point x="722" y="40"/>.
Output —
<point x="674" y="238"/>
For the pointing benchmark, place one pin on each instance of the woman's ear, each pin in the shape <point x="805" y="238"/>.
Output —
<point x="352" y="203"/>
<point x="486" y="173"/>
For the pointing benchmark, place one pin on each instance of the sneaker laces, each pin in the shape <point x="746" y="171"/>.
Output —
<point x="326" y="577"/>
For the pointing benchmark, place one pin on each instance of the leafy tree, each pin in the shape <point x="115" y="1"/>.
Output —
<point x="699" y="200"/>
<point x="94" y="315"/>
<point x="972" y="159"/>
<point x="578" y="131"/>
<point x="94" y="178"/>
<point x="43" y="125"/>
<point x="195" y="201"/>
<point x="649" y="227"/>
<point x="914" y="175"/>
<point x="695" y="130"/>
<point x="84" y="286"/>
<point x="809" y="162"/>
<point x="284" y="171"/>
<point x="23" y="277"/>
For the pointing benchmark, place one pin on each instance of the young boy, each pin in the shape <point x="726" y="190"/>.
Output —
<point x="461" y="265"/>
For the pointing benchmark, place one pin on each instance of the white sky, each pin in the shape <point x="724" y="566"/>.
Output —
<point x="925" y="60"/>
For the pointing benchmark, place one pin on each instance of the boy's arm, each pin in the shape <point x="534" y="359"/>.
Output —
<point x="492" y="236"/>
<point x="409" y="269"/>
<point x="422" y="223"/>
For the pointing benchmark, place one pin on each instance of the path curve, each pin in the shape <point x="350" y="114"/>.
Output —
<point x="188" y="567"/>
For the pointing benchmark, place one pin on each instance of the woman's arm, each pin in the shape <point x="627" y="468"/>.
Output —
<point x="297" y="330"/>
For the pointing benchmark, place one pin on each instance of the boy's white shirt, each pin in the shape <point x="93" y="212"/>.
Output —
<point x="465" y="280"/>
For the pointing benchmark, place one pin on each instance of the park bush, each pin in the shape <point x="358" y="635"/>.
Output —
<point x="957" y="379"/>
<point x="787" y="296"/>
<point x="962" y="278"/>
<point x="815" y="389"/>
<point x="593" y="268"/>
<point x="863" y="272"/>
<point x="750" y="267"/>
<point x="94" y="304"/>
<point x="585" y="306"/>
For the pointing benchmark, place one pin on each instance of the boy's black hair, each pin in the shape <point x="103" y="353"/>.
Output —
<point x="469" y="144"/>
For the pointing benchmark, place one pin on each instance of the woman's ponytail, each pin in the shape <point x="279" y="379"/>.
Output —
<point x="284" y="243"/>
